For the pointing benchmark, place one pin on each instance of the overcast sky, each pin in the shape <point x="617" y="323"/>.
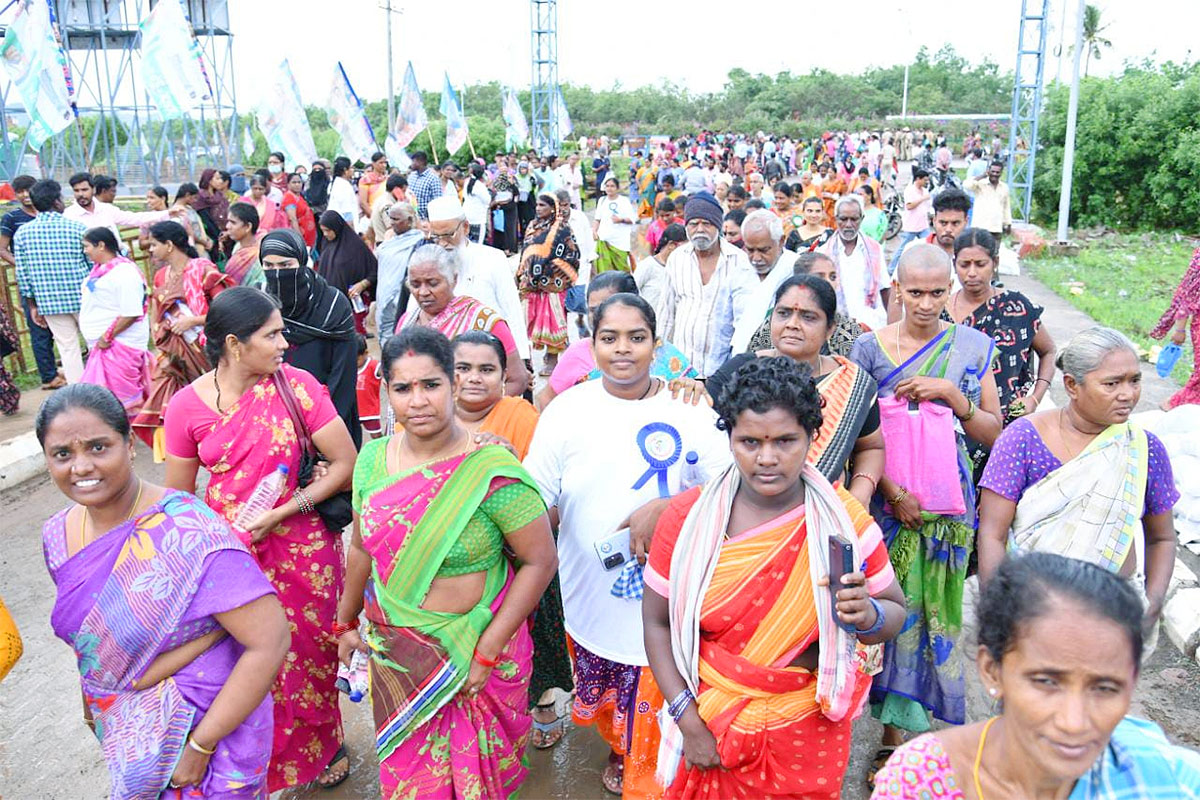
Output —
<point x="626" y="41"/>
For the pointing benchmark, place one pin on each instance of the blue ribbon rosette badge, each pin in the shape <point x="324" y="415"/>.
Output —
<point x="661" y="446"/>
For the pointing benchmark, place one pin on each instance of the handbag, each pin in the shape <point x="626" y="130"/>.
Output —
<point x="503" y="198"/>
<point x="335" y="510"/>
<point x="922" y="452"/>
<point x="922" y="444"/>
<point x="576" y="299"/>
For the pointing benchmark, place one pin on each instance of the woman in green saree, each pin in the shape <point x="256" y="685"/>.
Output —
<point x="447" y="612"/>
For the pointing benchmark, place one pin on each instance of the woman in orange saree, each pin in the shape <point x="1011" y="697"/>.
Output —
<point x="762" y="695"/>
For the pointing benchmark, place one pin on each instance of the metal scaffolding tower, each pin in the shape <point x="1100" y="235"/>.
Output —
<point x="1027" y="103"/>
<point x="119" y="131"/>
<point x="544" y="89"/>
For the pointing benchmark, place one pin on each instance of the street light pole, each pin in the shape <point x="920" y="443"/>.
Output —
<point x="391" y="105"/>
<point x="1064" y="196"/>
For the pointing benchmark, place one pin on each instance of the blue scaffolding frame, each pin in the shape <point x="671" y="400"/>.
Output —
<point x="544" y="88"/>
<point x="1027" y="104"/>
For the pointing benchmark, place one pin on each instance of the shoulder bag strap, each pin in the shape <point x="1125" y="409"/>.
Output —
<point x="289" y="401"/>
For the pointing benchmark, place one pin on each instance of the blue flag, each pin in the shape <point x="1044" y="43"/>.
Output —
<point x="456" y="123"/>
<point x="411" y="119"/>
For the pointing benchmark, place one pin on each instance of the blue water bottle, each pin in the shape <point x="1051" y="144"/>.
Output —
<point x="1167" y="359"/>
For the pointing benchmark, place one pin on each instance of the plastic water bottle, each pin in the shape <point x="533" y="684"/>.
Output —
<point x="354" y="680"/>
<point x="1167" y="359"/>
<point x="263" y="498"/>
<point x="692" y="474"/>
<point x="183" y="310"/>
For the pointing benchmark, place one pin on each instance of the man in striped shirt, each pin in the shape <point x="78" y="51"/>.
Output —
<point x="51" y="267"/>
<point x="708" y="283"/>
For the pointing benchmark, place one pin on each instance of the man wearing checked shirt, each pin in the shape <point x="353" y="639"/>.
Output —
<point x="51" y="268"/>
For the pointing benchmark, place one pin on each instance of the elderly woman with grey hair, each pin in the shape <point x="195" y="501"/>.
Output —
<point x="1083" y="481"/>
<point x="432" y="275"/>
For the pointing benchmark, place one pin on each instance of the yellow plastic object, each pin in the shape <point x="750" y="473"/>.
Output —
<point x="10" y="641"/>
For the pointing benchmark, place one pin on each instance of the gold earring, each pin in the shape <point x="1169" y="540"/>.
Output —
<point x="237" y="355"/>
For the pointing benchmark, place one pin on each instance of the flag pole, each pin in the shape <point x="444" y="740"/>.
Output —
<point x="463" y="110"/>
<point x="433" y="146"/>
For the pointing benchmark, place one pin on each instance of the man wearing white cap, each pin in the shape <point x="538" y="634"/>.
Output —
<point x="485" y="273"/>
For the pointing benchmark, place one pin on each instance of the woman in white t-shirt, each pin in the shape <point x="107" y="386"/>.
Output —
<point x="477" y="199"/>
<point x="609" y="454"/>
<point x="112" y="319"/>
<point x="342" y="197"/>
<point x="613" y="228"/>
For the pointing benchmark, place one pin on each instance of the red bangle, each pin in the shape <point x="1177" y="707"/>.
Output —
<point x="485" y="662"/>
<point x="340" y="629"/>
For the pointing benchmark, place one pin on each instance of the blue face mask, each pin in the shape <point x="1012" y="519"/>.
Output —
<point x="239" y="184"/>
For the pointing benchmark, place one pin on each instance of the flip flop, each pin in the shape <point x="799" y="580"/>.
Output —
<point x="881" y="757"/>
<point x="613" y="776"/>
<point x="338" y="756"/>
<point x="551" y="732"/>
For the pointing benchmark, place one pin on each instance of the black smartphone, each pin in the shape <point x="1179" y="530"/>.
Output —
<point x="841" y="562"/>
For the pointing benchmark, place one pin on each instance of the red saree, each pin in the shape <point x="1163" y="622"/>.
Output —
<point x="757" y="615"/>
<point x="301" y="558"/>
<point x="179" y="361"/>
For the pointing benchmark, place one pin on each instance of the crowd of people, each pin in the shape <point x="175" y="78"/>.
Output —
<point x="731" y="507"/>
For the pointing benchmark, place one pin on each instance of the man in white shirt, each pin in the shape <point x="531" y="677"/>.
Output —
<point x="762" y="242"/>
<point x="570" y="177"/>
<point x="394" y="192"/>
<point x="476" y="202"/>
<point x="861" y="267"/>
<point x="95" y="213"/>
<point x="993" y="206"/>
<point x="485" y="273"/>
<point x="393" y="255"/>
<point x="696" y="180"/>
<point x="709" y="282"/>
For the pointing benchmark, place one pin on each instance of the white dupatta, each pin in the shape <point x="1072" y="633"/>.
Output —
<point x="693" y="562"/>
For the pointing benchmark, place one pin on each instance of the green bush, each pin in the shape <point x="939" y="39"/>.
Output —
<point x="1137" y="150"/>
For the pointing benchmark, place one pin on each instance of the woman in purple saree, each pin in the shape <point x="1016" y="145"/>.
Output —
<point x="177" y="632"/>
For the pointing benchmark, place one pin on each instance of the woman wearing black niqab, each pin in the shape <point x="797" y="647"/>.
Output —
<point x="318" y="319"/>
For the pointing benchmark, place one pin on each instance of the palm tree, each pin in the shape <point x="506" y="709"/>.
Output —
<point x="1092" y="38"/>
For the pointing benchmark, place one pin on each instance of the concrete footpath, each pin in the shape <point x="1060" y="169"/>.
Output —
<point x="46" y="752"/>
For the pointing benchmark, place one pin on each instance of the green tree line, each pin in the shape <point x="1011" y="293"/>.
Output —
<point x="1137" y="150"/>
<point x="942" y="82"/>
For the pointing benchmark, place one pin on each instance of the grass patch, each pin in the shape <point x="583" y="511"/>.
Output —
<point x="1126" y="281"/>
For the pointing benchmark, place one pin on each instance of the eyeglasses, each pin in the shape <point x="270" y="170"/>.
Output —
<point x="438" y="238"/>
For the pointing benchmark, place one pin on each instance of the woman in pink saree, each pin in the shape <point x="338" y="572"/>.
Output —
<point x="112" y="318"/>
<point x="177" y="633"/>
<point x="236" y="422"/>
<point x="447" y="612"/>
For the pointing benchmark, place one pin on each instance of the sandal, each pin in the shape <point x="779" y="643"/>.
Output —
<point x="326" y="779"/>
<point x="613" y="776"/>
<point x="548" y="734"/>
<point x="881" y="757"/>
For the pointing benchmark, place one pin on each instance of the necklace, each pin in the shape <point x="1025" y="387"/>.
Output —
<point x="404" y="436"/>
<point x="1062" y="432"/>
<point x="979" y="756"/>
<point x="86" y="515"/>
<point x="217" y="384"/>
<point x="900" y="355"/>
<point x="958" y="294"/>
<point x="653" y="382"/>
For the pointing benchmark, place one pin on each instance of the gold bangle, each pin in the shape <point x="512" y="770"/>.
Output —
<point x="899" y="496"/>
<point x="193" y="744"/>
<point x="971" y="407"/>
<point x="874" y="481"/>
